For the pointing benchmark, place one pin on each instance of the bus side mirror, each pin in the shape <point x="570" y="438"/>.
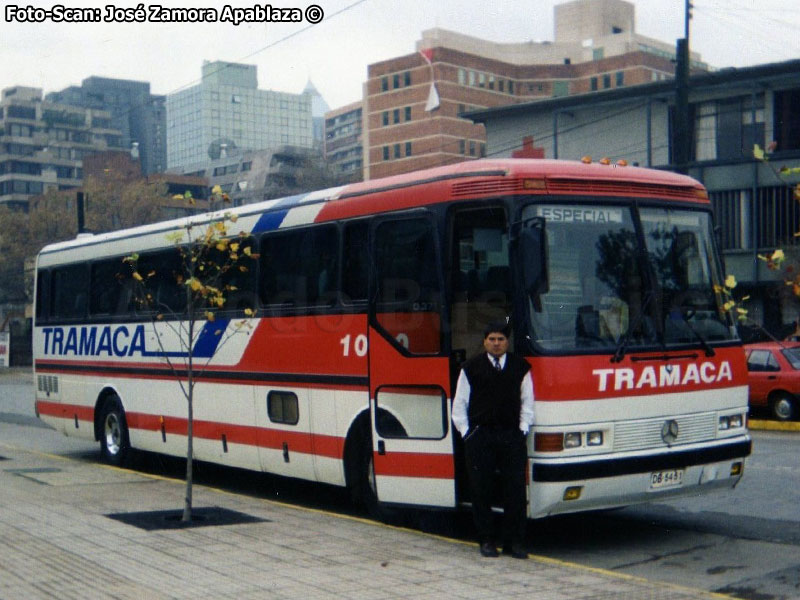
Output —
<point x="533" y="249"/>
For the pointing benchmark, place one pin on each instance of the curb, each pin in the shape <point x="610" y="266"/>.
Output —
<point x="761" y="425"/>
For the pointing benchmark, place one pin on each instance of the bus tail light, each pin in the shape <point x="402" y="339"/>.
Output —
<point x="548" y="442"/>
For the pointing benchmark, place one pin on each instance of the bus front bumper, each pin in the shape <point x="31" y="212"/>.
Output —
<point x="590" y="483"/>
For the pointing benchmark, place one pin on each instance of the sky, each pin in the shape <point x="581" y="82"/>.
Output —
<point x="335" y="52"/>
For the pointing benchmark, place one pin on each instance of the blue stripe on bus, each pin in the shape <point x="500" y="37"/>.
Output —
<point x="206" y="344"/>
<point x="209" y="338"/>
<point x="273" y="218"/>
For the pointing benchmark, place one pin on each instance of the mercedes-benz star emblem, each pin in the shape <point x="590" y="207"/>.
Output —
<point x="669" y="431"/>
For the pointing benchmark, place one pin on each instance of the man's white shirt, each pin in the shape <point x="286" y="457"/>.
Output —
<point x="461" y="400"/>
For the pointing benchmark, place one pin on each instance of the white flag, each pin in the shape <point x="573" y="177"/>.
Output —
<point x="433" y="99"/>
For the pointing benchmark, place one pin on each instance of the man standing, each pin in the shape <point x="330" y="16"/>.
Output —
<point x="493" y="411"/>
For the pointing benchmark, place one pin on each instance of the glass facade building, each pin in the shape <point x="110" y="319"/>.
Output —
<point x="227" y="110"/>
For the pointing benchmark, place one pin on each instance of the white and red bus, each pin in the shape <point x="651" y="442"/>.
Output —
<point x="368" y="297"/>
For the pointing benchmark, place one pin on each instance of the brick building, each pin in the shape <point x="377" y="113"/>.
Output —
<point x="412" y="104"/>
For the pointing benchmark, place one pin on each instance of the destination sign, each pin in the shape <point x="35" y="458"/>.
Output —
<point x="579" y="214"/>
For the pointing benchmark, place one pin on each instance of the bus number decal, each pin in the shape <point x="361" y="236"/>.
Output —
<point x="360" y="345"/>
<point x="402" y="339"/>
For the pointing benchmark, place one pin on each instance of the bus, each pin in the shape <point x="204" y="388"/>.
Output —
<point x="366" y="299"/>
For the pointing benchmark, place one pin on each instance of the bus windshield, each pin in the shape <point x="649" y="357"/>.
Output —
<point x="619" y="277"/>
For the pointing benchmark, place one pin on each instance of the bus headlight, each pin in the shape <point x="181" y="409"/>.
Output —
<point x="572" y="439"/>
<point x="594" y="438"/>
<point x="731" y="422"/>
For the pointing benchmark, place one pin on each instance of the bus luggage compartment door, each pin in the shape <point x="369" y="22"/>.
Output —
<point x="410" y="415"/>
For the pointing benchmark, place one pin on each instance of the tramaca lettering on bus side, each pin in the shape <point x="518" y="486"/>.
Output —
<point x="94" y="341"/>
<point x="663" y="376"/>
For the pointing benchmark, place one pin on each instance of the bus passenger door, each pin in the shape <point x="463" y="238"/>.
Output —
<point x="409" y="373"/>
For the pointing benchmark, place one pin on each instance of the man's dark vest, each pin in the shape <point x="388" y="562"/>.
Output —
<point x="494" y="399"/>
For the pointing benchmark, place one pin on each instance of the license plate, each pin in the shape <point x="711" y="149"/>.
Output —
<point x="662" y="479"/>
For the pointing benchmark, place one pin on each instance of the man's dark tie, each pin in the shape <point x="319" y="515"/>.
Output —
<point x="497" y="364"/>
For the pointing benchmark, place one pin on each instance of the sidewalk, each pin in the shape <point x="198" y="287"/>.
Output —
<point x="56" y="540"/>
<point x="768" y="425"/>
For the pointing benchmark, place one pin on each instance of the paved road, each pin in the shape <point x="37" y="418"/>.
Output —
<point x="745" y="543"/>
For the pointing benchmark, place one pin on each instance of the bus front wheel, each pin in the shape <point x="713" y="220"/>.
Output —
<point x="361" y="471"/>
<point x="114" y="440"/>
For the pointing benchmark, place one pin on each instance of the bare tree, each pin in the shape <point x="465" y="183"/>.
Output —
<point x="210" y="260"/>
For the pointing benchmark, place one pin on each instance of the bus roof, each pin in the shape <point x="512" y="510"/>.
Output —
<point x="470" y="179"/>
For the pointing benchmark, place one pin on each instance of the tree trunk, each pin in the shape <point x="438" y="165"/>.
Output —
<point x="187" y="505"/>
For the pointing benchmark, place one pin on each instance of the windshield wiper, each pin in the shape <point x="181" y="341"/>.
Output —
<point x="703" y="342"/>
<point x="619" y="353"/>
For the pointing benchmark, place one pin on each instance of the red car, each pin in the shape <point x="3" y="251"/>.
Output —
<point x="774" y="377"/>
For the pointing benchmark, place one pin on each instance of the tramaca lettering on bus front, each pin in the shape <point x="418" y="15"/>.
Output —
<point x="94" y="341"/>
<point x="664" y="376"/>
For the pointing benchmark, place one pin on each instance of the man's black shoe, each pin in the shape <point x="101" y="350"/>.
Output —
<point x="488" y="550"/>
<point x="515" y="551"/>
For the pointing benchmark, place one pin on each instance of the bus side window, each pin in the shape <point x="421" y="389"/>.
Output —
<point x="409" y="298"/>
<point x="299" y="268"/>
<point x="167" y="295"/>
<point x="68" y="291"/>
<point x="481" y="275"/>
<point x="355" y="262"/>
<point x="238" y="277"/>
<point x="42" y="293"/>
<point x="107" y="283"/>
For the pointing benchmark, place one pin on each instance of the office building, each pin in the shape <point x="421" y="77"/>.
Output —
<point x="344" y="149"/>
<point x="43" y="144"/>
<point x="254" y="175"/>
<point x="226" y="110"/>
<point x="318" y="109"/>
<point x="140" y="116"/>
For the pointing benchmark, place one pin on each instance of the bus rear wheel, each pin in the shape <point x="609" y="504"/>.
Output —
<point x="114" y="440"/>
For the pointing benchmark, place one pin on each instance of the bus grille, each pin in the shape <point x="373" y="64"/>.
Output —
<point x="646" y="433"/>
<point x="47" y="384"/>
<point x="619" y="188"/>
<point x="487" y="186"/>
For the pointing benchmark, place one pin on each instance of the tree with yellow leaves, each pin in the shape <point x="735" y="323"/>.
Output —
<point x="210" y="261"/>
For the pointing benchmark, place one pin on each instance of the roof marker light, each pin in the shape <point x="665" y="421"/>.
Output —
<point x="534" y="184"/>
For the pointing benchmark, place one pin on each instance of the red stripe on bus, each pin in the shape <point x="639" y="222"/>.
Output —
<point x="65" y="411"/>
<point x="262" y="437"/>
<point x="415" y="464"/>
<point x="564" y="378"/>
<point x="159" y="373"/>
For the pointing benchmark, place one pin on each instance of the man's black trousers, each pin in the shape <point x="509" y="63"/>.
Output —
<point x="488" y="450"/>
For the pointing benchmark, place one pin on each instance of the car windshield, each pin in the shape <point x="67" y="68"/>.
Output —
<point x="793" y="356"/>
<point x="618" y="278"/>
